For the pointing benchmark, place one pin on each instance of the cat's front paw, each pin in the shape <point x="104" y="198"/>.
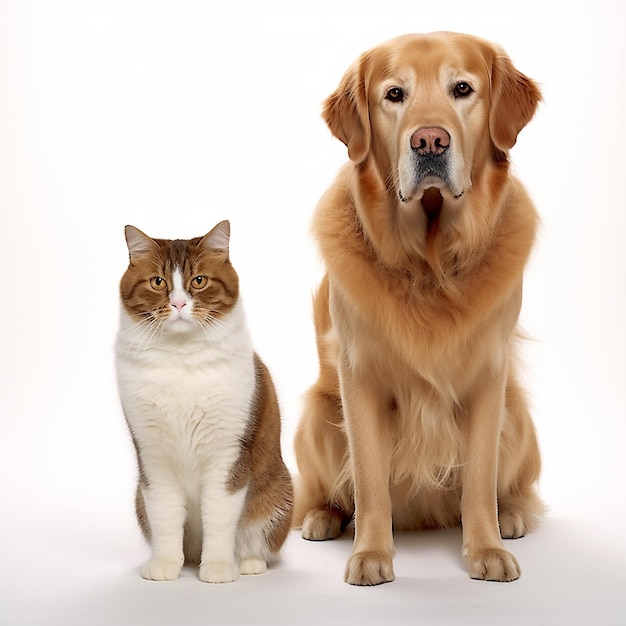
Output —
<point x="220" y="572"/>
<point x="161" y="569"/>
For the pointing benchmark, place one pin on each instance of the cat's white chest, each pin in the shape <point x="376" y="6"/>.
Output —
<point x="176" y="394"/>
<point x="189" y="400"/>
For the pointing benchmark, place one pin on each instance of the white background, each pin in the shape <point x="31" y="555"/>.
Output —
<point x="172" y="117"/>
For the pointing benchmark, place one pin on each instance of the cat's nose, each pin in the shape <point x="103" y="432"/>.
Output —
<point x="179" y="304"/>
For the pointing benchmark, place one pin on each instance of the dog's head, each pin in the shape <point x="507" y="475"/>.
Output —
<point x="429" y="109"/>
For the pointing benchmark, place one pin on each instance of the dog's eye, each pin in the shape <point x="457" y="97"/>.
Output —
<point x="395" y="94"/>
<point x="462" y="90"/>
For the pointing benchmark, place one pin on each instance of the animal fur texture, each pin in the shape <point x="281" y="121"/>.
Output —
<point x="418" y="419"/>
<point x="202" y="411"/>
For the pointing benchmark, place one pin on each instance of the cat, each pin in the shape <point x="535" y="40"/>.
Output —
<point x="202" y="411"/>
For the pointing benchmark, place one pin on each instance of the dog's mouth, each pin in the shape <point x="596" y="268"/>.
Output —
<point x="432" y="201"/>
<point x="429" y="179"/>
<point x="431" y="198"/>
<point x="431" y="191"/>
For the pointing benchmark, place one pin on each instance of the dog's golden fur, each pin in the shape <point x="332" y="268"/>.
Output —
<point x="417" y="419"/>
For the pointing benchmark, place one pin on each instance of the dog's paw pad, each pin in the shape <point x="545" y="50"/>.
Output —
<point x="493" y="564"/>
<point x="369" y="568"/>
<point x="512" y="525"/>
<point x="322" y="524"/>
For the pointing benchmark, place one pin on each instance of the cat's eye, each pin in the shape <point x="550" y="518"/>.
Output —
<point x="158" y="283"/>
<point x="199" y="282"/>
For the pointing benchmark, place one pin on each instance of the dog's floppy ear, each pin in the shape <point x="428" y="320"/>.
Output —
<point x="347" y="114"/>
<point x="514" y="99"/>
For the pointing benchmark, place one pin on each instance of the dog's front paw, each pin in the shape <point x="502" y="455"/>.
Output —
<point x="493" y="564"/>
<point x="369" y="568"/>
<point x="219" y="572"/>
<point x="162" y="569"/>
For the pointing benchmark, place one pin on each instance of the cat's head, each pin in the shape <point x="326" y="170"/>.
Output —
<point x="179" y="286"/>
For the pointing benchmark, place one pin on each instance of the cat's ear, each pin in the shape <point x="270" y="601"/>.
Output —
<point x="139" y="244"/>
<point x="218" y="239"/>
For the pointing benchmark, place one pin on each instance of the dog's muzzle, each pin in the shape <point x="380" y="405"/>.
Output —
<point x="429" y="164"/>
<point x="430" y="148"/>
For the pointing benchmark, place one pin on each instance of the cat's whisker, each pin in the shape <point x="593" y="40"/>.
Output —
<point x="142" y="333"/>
<point x="210" y="322"/>
<point x="136" y="333"/>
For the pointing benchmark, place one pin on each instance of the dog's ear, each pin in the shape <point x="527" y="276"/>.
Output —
<point x="514" y="99"/>
<point x="346" y="112"/>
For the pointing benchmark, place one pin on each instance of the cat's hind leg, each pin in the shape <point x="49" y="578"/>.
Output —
<point x="252" y="566"/>
<point x="265" y="522"/>
<point x="252" y="547"/>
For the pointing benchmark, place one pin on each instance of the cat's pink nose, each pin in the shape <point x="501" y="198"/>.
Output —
<point x="178" y="305"/>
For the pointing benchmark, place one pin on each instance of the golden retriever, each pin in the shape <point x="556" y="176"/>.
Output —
<point x="417" y="419"/>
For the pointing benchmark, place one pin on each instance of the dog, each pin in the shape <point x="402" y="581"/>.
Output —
<point x="417" y="419"/>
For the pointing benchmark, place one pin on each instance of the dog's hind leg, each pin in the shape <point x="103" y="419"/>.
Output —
<point x="519" y="506"/>
<point x="324" y="501"/>
<point x="323" y="505"/>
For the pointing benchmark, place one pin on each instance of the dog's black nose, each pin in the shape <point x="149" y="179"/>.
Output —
<point x="430" y="141"/>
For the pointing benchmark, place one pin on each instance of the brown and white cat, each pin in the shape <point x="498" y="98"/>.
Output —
<point x="202" y="411"/>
